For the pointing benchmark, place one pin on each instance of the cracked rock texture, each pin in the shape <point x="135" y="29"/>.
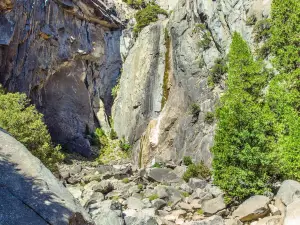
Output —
<point x="65" y="56"/>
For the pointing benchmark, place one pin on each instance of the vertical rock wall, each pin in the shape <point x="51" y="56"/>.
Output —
<point x="64" y="54"/>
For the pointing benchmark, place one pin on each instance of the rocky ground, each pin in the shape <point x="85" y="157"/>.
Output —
<point x="125" y="195"/>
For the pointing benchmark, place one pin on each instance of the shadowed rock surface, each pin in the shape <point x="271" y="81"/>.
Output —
<point x="29" y="192"/>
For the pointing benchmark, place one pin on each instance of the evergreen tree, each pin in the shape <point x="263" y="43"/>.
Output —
<point x="243" y="162"/>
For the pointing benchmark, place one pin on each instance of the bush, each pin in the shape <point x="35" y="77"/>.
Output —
<point x="153" y="197"/>
<point x="205" y="42"/>
<point x="25" y="123"/>
<point x="115" y="90"/>
<point x="195" y="110"/>
<point x="156" y="165"/>
<point x="251" y="20"/>
<point x="126" y="147"/>
<point x="113" y="134"/>
<point x="147" y="15"/>
<point x="218" y="70"/>
<point x="136" y="4"/>
<point x="185" y="194"/>
<point x="187" y="160"/>
<point x="261" y="30"/>
<point x="209" y="117"/>
<point x="125" y="180"/>
<point x="196" y="170"/>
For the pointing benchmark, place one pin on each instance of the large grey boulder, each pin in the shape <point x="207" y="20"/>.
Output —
<point x="29" y="192"/>
<point x="212" y="206"/>
<point x="163" y="175"/>
<point x="293" y="213"/>
<point x="213" y="220"/>
<point x="289" y="191"/>
<point x="253" y="208"/>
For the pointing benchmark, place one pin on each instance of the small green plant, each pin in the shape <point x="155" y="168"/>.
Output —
<point x="185" y="194"/>
<point x="218" y="70"/>
<point x="251" y="20"/>
<point x="170" y="203"/>
<point x="195" y="109"/>
<point x="140" y="186"/>
<point x="113" y="134"/>
<point x="187" y="160"/>
<point x="115" y="198"/>
<point x="115" y="90"/>
<point x="153" y="197"/>
<point x="261" y="30"/>
<point x="199" y="170"/>
<point x="205" y="42"/>
<point x="125" y="146"/>
<point x="227" y="199"/>
<point x="156" y="165"/>
<point x="209" y="117"/>
<point x="136" y="4"/>
<point x="200" y="212"/>
<point x="147" y="15"/>
<point x="125" y="180"/>
<point x="199" y="27"/>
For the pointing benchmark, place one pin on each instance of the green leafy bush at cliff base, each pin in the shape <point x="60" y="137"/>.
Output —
<point x="147" y="15"/>
<point x="26" y="124"/>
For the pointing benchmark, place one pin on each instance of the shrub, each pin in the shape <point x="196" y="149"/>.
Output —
<point x="136" y="4"/>
<point x="209" y="117"/>
<point x="113" y="134"/>
<point x="140" y="186"/>
<point x="251" y="20"/>
<point x="187" y="160"/>
<point x="125" y="180"/>
<point x="195" y="110"/>
<point x="198" y="171"/>
<point x="218" y="70"/>
<point x="25" y="123"/>
<point x="185" y="194"/>
<point x="261" y="30"/>
<point x="153" y="197"/>
<point x="156" y="165"/>
<point x="124" y="145"/>
<point x="205" y="42"/>
<point x="200" y="212"/>
<point x="115" y="90"/>
<point x="147" y="15"/>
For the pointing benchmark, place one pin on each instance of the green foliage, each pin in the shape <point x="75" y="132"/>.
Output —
<point x="200" y="211"/>
<point x="125" y="180"/>
<point x="199" y="27"/>
<point x="113" y="134"/>
<point x="125" y="146"/>
<point x="187" y="160"/>
<point x="147" y="15"/>
<point x="251" y="20"/>
<point x="243" y="161"/>
<point x="140" y="186"/>
<point x="156" y="165"/>
<point x="110" y="149"/>
<point x="115" y="90"/>
<point x="185" y="194"/>
<point x="196" y="170"/>
<point x="261" y="30"/>
<point x="209" y="117"/>
<point x="25" y="123"/>
<point x="285" y="39"/>
<point x="205" y="41"/>
<point x="136" y="4"/>
<point x="153" y="197"/>
<point x="284" y="91"/>
<point x="194" y="109"/>
<point x="218" y="70"/>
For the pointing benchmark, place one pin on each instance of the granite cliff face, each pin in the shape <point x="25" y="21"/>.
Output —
<point x="65" y="56"/>
<point x="172" y="131"/>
